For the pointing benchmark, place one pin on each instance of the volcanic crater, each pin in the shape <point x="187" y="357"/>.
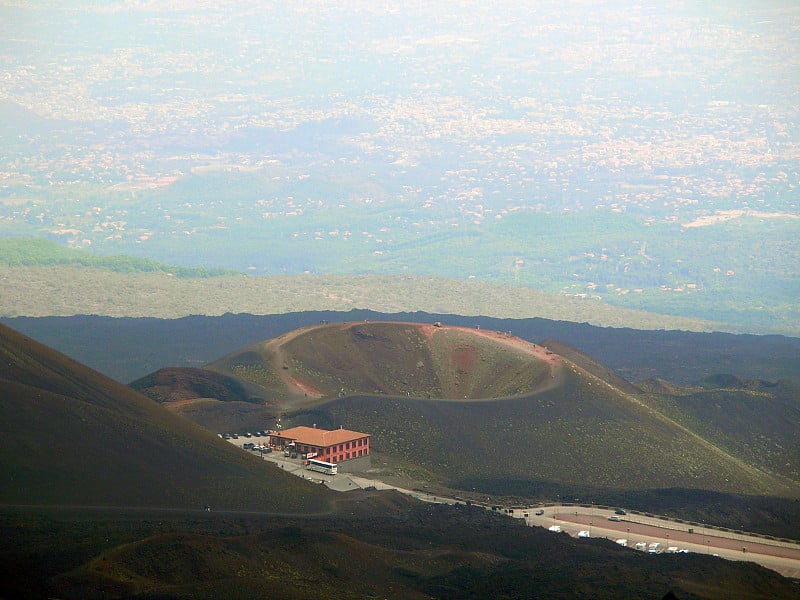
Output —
<point x="397" y="359"/>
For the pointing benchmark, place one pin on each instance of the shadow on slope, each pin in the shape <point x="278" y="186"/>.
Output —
<point x="69" y="435"/>
<point x="584" y="432"/>
<point x="378" y="547"/>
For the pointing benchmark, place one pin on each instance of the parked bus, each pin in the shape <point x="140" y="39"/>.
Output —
<point x="322" y="467"/>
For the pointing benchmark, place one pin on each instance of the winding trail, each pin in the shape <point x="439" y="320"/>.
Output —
<point x="275" y="348"/>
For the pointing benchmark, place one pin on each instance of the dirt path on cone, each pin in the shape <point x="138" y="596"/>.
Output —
<point x="295" y="385"/>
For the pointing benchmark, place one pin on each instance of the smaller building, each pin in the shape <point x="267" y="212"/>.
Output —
<point x="333" y="446"/>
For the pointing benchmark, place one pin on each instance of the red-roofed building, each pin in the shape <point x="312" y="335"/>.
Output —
<point x="333" y="446"/>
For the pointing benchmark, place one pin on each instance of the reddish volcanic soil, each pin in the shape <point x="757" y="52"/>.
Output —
<point x="464" y="358"/>
<point x="295" y="385"/>
<point x="539" y="352"/>
<point x="304" y="387"/>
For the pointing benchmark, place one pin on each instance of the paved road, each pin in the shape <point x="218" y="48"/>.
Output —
<point x="780" y="556"/>
<point x="783" y="557"/>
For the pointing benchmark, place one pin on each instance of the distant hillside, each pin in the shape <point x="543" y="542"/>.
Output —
<point x="37" y="252"/>
<point x="72" y="289"/>
<point x="70" y="436"/>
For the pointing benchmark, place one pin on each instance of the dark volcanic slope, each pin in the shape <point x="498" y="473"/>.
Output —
<point x="754" y="419"/>
<point x="69" y="435"/>
<point x="458" y="403"/>
<point x="582" y="434"/>
<point x="382" y="546"/>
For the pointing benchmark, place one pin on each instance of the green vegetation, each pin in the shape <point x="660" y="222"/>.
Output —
<point x="28" y="252"/>
<point x="76" y="290"/>
<point x="716" y="272"/>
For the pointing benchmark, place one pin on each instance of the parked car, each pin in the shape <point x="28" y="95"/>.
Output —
<point x="619" y="511"/>
<point x="540" y="512"/>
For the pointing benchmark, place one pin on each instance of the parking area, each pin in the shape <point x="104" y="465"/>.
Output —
<point x="288" y="461"/>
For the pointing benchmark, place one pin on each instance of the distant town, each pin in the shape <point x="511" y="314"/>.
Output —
<point x="455" y="134"/>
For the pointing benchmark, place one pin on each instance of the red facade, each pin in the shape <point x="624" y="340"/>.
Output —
<point x="332" y="446"/>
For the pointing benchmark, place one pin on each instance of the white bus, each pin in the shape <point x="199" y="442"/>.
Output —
<point x="322" y="467"/>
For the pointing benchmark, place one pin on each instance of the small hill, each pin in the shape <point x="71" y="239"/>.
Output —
<point x="171" y="385"/>
<point x="70" y="436"/>
<point x="402" y="359"/>
<point x="464" y="406"/>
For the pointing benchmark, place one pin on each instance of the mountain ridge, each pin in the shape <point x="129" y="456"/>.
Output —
<point x="116" y="446"/>
<point x="130" y="348"/>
